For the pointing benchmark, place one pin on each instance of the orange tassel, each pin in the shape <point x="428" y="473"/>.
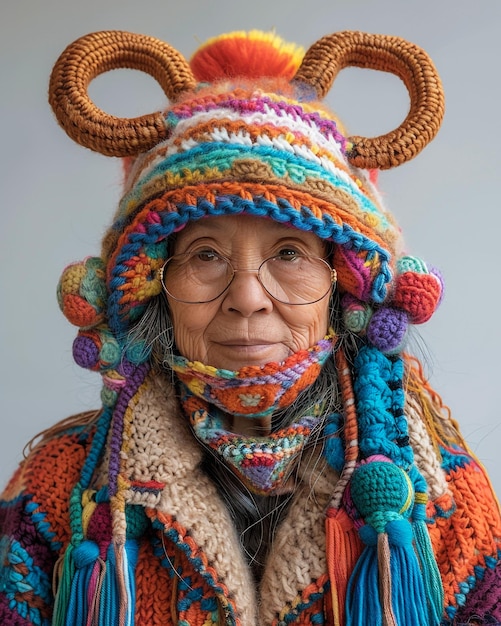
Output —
<point x="343" y="549"/>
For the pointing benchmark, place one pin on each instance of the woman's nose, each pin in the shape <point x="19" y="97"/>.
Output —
<point x="246" y="295"/>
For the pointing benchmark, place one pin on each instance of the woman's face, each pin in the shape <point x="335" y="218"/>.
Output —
<point x="245" y="326"/>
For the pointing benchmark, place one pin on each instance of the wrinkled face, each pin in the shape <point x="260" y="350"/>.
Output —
<point x="245" y="325"/>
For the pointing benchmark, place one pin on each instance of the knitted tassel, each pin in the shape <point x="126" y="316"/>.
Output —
<point x="388" y="568"/>
<point x="386" y="494"/>
<point x="408" y="596"/>
<point x="107" y="609"/>
<point x="386" y="583"/>
<point x="92" y="587"/>
<point x="130" y="561"/>
<point x="124" y="561"/>
<point x="117" y="595"/>
<point x="343" y="550"/>
<point x="94" y="591"/>
<point x="431" y="574"/>
<point x="362" y="594"/>
<point x="64" y="572"/>
<point x="85" y="557"/>
<point x="78" y="585"/>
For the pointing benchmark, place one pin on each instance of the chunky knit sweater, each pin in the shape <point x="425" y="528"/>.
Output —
<point x="190" y="568"/>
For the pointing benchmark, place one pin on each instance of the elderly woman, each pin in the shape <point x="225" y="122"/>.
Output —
<point x="266" y="453"/>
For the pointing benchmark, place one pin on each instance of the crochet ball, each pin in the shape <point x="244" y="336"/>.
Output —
<point x="418" y="295"/>
<point x="81" y="292"/>
<point x="381" y="492"/>
<point x="96" y="349"/>
<point x="387" y="329"/>
<point x="86" y="553"/>
<point x="356" y="314"/>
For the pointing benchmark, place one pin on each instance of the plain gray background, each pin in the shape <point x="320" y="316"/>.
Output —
<point x="57" y="198"/>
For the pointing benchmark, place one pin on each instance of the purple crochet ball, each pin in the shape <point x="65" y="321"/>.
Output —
<point x="387" y="329"/>
<point x="85" y="352"/>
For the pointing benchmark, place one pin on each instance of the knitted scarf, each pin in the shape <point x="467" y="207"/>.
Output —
<point x="263" y="463"/>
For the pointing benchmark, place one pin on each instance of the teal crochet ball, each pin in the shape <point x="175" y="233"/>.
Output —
<point x="383" y="490"/>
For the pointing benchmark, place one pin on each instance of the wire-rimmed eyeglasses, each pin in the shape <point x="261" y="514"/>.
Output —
<point x="203" y="276"/>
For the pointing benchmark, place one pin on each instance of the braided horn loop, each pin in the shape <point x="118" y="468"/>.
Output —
<point x="386" y="53"/>
<point x="100" y="52"/>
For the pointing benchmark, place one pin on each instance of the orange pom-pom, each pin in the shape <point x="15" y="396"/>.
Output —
<point x="252" y="54"/>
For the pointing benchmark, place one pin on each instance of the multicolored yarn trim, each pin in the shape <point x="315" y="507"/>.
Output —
<point x="218" y="609"/>
<point x="133" y="278"/>
<point x="308" y="607"/>
<point x="254" y="391"/>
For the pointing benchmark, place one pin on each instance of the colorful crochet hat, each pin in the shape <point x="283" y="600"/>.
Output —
<point x="247" y="132"/>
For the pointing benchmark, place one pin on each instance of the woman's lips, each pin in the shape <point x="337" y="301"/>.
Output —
<point x="257" y="345"/>
<point x="246" y="342"/>
<point x="247" y="347"/>
<point x="240" y="352"/>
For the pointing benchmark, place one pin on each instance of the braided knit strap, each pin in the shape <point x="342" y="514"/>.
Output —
<point x="409" y="62"/>
<point x="100" y="52"/>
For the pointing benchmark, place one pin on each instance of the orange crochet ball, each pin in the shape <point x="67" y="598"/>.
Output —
<point x="418" y="295"/>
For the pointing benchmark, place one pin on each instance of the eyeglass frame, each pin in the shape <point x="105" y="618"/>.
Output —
<point x="333" y="279"/>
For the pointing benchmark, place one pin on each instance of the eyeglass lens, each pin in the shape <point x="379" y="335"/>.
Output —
<point x="202" y="277"/>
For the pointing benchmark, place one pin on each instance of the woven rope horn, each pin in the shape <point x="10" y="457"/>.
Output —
<point x="325" y="58"/>
<point x="100" y="52"/>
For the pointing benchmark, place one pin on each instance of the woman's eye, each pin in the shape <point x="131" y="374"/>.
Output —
<point x="206" y="255"/>
<point x="288" y="254"/>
